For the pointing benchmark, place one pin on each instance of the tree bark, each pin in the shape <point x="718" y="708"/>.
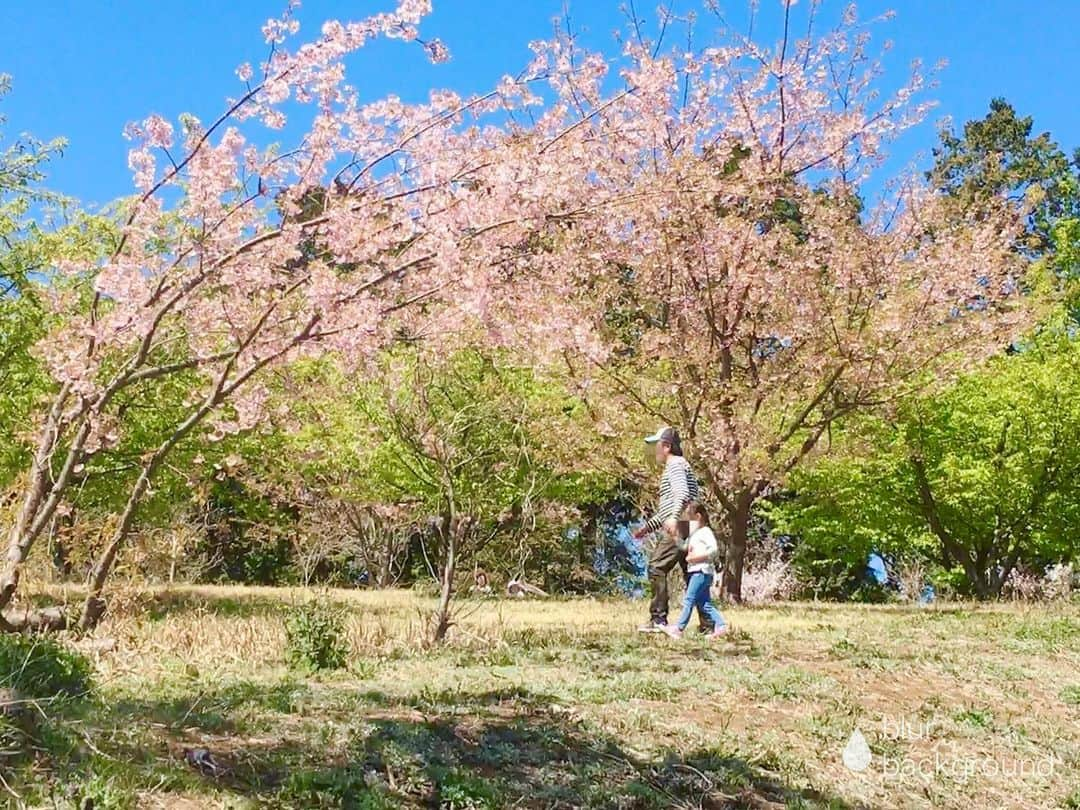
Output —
<point x="976" y="573"/>
<point x="442" y="615"/>
<point x="49" y="619"/>
<point x="735" y="553"/>
<point x="57" y="547"/>
<point x="94" y="605"/>
<point x="42" y="497"/>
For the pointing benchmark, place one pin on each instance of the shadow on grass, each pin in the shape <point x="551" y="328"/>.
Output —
<point x="526" y="761"/>
<point x="160" y="604"/>
<point x="157" y="604"/>
<point x="211" y="710"/>
<point x="238" y="603"/>
<point x="335" y="747"/>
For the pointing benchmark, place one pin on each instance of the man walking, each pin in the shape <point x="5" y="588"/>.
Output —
<point x="678" y="487"/>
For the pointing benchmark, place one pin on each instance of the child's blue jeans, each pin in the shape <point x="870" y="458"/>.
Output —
<point x="697" y="596"/>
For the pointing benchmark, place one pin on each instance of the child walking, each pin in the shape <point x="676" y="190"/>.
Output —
<point x="700" y="549"/>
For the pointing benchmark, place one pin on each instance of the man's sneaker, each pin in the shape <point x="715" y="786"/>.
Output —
<point x="652" y="627"/>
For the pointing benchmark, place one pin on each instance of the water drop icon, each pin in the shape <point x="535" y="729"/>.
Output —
<point x="856" y="754"/>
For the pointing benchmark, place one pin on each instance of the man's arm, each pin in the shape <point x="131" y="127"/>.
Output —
<point x="668" y="508"/>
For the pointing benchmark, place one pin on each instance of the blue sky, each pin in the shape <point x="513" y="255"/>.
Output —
<point x="83" y="69"/>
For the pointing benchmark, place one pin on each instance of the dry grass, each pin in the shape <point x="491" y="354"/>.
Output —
<point x="561" y="704"/>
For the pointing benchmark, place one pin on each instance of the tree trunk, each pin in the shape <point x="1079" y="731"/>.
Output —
<point x="980" y="581"/>
<point x="442" y="615"/>
<point x="976" y="573"/>
<point x="94" y="605"/>
<point x="42" y="497"/>
<point x="48" y="619"/>
<point x="735" y="553"/>
<point x="58" y="551"/>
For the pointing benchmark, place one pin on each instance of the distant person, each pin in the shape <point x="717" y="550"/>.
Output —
<point x="700" y="550"/>
<point x="678" y="486"/>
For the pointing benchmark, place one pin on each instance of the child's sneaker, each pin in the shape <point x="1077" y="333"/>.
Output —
<point x="673" y="631"/>
<point x="722" y="630"/>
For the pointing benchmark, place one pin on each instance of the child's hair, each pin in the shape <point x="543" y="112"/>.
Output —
<point x="696" y="509"/>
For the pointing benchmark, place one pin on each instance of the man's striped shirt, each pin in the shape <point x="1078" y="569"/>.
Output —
<point x="678" y="486"/>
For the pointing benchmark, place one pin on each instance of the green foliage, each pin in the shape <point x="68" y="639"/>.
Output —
<point x="315" y="637"/>
<point x="21" y="174"/>
<point x="21" y="380"/>
<point x="247" y="536"/>
<point x="42" y="667"/>
<point x="998" y="155"/>
<point x="976" y="718"/>
<point x="1054" y="634"/>
<point x="975" y="480"/>
<point x="345" y="788"/>
<point x="471" y="435"/>
<point x="26" y="256"/>
<point x="463" y="429"/>
<point x="459" y="791"/>
<point x="26" y="249"/>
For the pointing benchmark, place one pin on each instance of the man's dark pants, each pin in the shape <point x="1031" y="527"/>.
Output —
<point x="665" y="557"/>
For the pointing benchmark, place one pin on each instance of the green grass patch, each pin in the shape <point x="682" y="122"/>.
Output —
<point x="42" y="667"/>
<point x="975" y="718"/>
<point x="315" y="637"/>
<point x="791" y="683"/>
<point x="1054" y="634"/>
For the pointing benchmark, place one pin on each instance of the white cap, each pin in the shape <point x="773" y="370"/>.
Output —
<point x="666" y="434"/>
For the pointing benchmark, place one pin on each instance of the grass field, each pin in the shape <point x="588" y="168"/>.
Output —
<point x="560" y="704"/>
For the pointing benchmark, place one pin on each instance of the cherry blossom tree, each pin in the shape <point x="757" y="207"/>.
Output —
<point x="742" y="288"/>
<point x="384" y="221"/>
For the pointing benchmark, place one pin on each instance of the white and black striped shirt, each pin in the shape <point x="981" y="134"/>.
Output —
<point x="678" y="486"/>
